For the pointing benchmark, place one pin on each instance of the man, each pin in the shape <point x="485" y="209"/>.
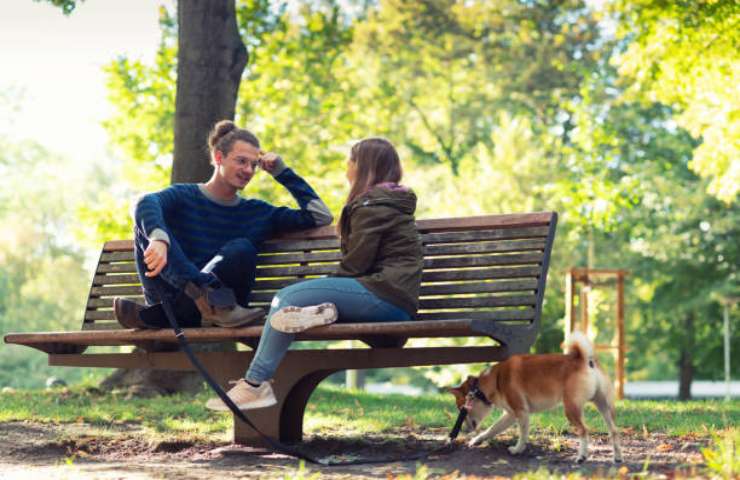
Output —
<point x="196" y="244"/>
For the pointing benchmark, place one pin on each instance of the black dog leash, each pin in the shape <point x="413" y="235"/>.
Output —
<point x="458" y="423"/>
<point x="274" y="444"/>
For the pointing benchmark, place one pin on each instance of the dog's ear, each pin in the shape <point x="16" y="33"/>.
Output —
<point x="453" y="390"/>
<point x="458" y="393"/>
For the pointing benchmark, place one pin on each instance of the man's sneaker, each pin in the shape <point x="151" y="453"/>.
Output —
<point x="245" y="396"/>
<point x="298" y="319"/>
<point x="127" y="313"/>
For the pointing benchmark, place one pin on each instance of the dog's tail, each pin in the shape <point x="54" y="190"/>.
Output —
<point x="579" y="346"/>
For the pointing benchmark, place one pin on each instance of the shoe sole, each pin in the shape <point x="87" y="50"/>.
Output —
<point x="296" y="319"/>
<point x="250" y="406"/>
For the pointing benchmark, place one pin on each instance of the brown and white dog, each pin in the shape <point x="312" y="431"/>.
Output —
<point x="525" y="384"/>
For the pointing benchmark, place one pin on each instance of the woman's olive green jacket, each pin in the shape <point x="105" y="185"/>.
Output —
<point x="381" y="246"/>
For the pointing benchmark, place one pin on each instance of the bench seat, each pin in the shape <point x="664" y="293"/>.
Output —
<point x="74" y="342"/>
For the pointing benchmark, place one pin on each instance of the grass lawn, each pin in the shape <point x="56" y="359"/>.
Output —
<point x="333" y="408"/>
<point x="336" y="412"/>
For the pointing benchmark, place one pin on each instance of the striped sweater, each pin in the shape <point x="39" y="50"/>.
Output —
<point x="187" y="216"/>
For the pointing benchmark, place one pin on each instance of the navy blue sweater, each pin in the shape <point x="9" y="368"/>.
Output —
<point x="200" y="225"/>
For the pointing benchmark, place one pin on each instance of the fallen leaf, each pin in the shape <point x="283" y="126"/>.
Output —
<point x="664" y="447"/>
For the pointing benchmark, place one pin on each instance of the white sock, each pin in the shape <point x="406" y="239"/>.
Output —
<point x="212" y="264"/>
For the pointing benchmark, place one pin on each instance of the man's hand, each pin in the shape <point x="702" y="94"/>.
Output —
<point x="155" y="257"/>
<point x="270" y="162"/>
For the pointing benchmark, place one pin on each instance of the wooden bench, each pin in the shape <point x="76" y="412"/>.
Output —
<point x="483" y="277"/>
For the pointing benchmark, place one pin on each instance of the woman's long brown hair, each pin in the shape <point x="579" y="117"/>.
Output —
<point x="377" y="162"/>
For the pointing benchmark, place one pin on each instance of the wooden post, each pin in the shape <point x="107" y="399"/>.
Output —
<point x="570" y="313"/>
<point x="584" y="305"/>
<point x="355" y="379"/>
<point x="580" y="320"/>
<point x="620" y="335"/>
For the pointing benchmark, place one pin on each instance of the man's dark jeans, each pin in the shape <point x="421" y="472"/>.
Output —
<point x="236" y="270"/>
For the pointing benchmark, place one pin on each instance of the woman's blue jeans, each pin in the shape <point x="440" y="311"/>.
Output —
<point x="354" y="302"/>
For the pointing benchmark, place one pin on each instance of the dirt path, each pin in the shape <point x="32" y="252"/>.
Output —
<point x="79" y="451"/>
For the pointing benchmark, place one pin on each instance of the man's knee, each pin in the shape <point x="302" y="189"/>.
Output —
<point x="239" y="250"/>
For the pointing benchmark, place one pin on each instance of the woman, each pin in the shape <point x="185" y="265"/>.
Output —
<point x="378" y="278"/>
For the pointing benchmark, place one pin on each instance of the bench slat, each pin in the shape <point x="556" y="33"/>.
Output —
<point x="439" y="276"/>
<point x="483" y="235"/>
<point x="298" y="271"/>
<point x="480" y="274"/>
<point x="116" y="268"/>
<point x="493" y="315"/>
<point x="475" y="302"/>
<point x="478" y="287"/>
<point x="275" y="246"/>
<point x="483" y="260"/>
<point x="501" y="246"/>
<point x="95" y="303"/>
<point x="115" y="291"/>
<point x="505" y="221"/>
<point x="426" y="289"/>
<point x="99" y="280"/>
<point x="331" y="268"/>
<point x="99" y="315"/>
<point x="484" y="247"/>
<point x="103" y="297"/>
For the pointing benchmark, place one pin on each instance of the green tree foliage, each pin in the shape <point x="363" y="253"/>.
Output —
<point x="299" y="98"/>
<point x="441" y="72"/>
<point x="685" y="54"/>
<point x="141" y="135"/>
<point x="678" y="242"/>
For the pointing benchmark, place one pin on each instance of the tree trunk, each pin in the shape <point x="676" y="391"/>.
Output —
<point x="685" y="363"/>
<point x="211" y="58"/>
<point x="210" y="61"/>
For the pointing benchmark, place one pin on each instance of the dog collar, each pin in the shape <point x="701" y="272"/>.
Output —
<point x="476" y="392"/>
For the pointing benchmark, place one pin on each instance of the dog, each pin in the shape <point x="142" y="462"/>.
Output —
<point x="525" y="384"/>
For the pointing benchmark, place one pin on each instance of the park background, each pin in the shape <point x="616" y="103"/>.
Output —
<point x="624" y="117"/>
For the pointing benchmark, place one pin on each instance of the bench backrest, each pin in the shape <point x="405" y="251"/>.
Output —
<point x="490" y="267"/>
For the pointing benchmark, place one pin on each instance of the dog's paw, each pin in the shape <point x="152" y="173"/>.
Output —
<point x="474" y="442"/>
<point x="516" y="450"/>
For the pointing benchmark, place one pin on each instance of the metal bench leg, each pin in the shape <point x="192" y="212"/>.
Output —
<point x="294" y="383"/>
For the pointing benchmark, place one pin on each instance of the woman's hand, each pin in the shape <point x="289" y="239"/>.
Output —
<point x="155" y="257"/>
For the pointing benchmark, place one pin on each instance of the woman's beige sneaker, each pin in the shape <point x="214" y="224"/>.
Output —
<point x="298" y="319"/>
<point x="245" y="396"/>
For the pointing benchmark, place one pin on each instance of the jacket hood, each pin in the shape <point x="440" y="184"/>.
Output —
<point x="393" y="195"/>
